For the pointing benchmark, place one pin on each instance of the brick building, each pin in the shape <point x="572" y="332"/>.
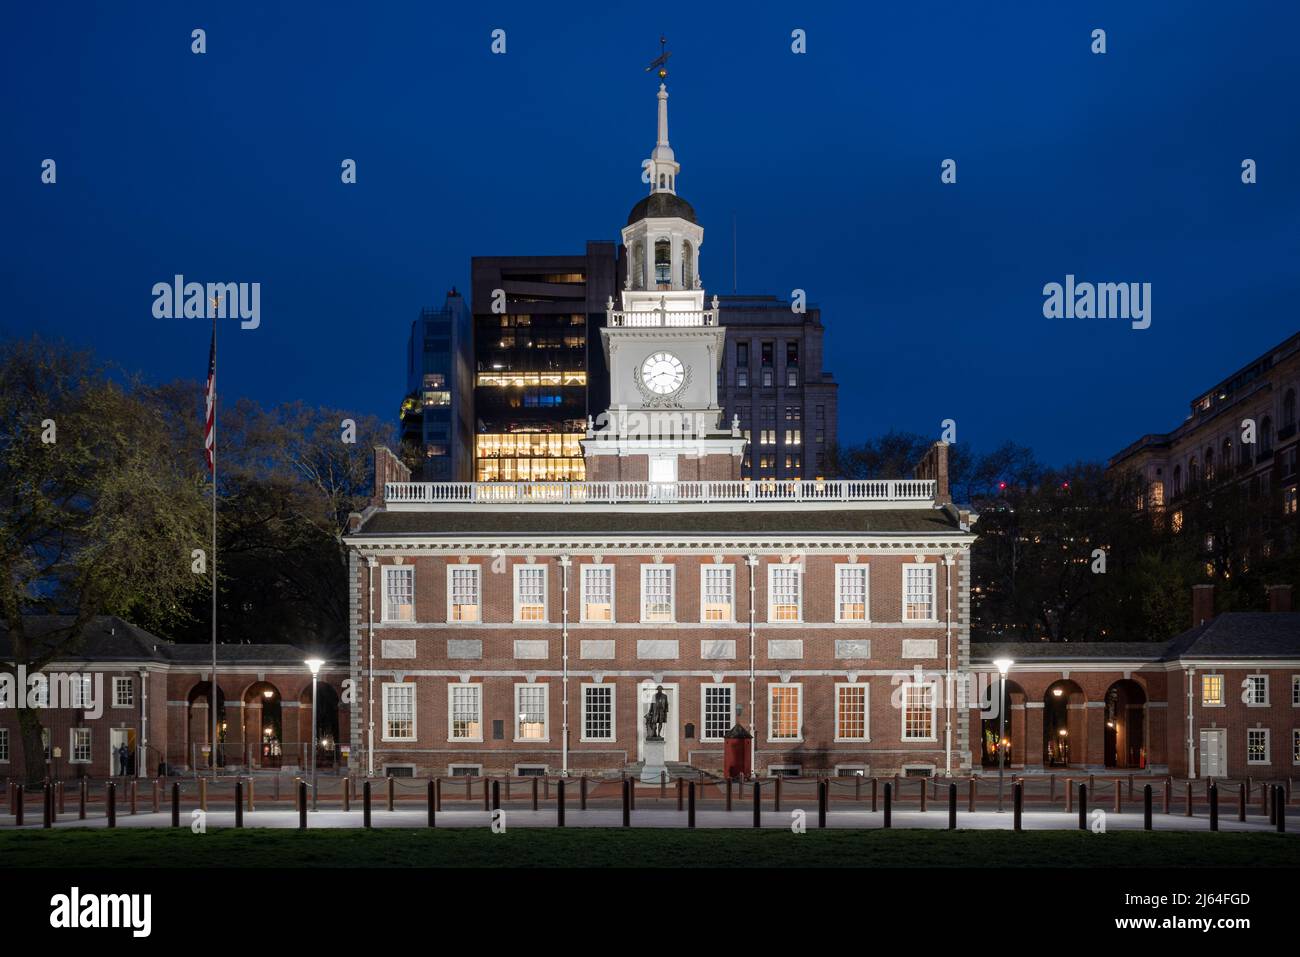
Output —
<point x="123" y="685"/>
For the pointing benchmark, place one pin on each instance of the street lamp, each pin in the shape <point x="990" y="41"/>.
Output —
<point x="315" y="665"/>
<point x="1003" y="666"/>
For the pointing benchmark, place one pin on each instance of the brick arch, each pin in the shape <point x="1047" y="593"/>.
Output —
<point x="1065" y="709"/>
<point x="1125" y="733"/>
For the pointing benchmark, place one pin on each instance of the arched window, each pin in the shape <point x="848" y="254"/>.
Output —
<point x="638" y="265"/>
<point x="663" y="263"/>
<point x="1178" y="480"/>
<point x="688" y="268"/>
<point x="661" y="180"/>
<point x="1225" y="458"/>
<point x="1193" y="473"/>
<point x="1265" y="435"/>
<point x="1288" y="409"/>
<point x="1209" y="465"/>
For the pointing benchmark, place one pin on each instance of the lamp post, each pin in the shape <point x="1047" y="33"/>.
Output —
<point x="1003" y="666"/>
<point x="315" y="665"/>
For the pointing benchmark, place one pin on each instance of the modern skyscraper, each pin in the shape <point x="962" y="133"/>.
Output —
<point x="437" y="415"/>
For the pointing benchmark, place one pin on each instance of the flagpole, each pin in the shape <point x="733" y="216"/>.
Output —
<point x="216" y="696"/>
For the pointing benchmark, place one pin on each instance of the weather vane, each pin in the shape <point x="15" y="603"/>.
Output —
<point x="661" y="60"/>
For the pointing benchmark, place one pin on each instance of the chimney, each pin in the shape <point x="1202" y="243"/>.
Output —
<point x="1279" y="598"/>
<point x="388" y="468"/>
<point x="1202" y="604"/>
<point x="934" y="465"/>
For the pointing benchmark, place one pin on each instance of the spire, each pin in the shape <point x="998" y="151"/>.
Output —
<point x="663" y="165"/>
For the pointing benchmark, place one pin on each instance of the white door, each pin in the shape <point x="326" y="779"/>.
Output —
<point x="645" y="695"/>
<point x="1214" y="756"/>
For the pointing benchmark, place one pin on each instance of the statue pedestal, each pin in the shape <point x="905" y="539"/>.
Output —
<point x="654" y="761"/>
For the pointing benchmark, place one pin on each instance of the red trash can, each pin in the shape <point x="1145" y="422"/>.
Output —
<point x="735" y="755"/>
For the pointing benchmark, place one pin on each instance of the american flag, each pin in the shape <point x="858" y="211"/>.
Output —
<point x="210" y="421"/>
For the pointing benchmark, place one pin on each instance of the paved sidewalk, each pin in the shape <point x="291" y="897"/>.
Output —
<point x="613" y="818"/>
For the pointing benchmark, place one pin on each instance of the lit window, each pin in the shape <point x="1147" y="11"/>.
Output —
<point x="719" y="711"/>
<point x="399" y="712"/>
<point x="1295" y="691"/>
<point x="466" y="712"/>
<point x="718" y="593"/>
<point x="851" y="593"/>
<point x="783" y="712"/>
<point x="1212" y="690"/>
<point x="123" y="693"/>
<point x="1256" y="687"/>
<point x="783" y="598"/>
<point x="918" y="591"/>
<point x="530" y="712"/>
<point x="530" y="593"/>
<point x="657" y="592"/>
<point x="851" y="712"/>
<point x="4" y="745"/>
<point x="80" y="691"/>
<point x="463" y="593"/>
<point x="399" y="593"/>
<point x="597" y="712"/>
<point x="1257" y="746"/>
<point x="81" y="745"/>
<point x="918" y="712"/>
<point x="597" y="592"/>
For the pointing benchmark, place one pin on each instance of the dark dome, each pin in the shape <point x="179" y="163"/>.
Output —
<point x="660" y="206"/>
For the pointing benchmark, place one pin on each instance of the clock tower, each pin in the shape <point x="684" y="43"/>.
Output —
<point x="663" y="346"/>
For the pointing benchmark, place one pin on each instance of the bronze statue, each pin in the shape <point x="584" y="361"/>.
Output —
<point x="657" y="715"/>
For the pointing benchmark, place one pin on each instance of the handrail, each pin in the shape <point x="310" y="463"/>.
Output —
<point x="569" y="493"/>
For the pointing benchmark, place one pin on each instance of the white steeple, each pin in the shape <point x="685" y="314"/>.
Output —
<point x="663" y="165"/>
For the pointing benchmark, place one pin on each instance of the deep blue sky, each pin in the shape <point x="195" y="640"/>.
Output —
<point x="1122" y="167"/>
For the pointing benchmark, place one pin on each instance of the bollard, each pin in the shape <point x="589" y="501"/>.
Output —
<point x="1083" y="807"/>
<point x="559" y="802"/>
<point x="1017" y="802"/>
<point x="874" y="783"/>
<point x="776" y="795"/>
<point x="110" y="800"/>
<point x="690" y="805"/>
<point x="347" y="794"/>
<point x="302" y="805"/>
<point x="203" y="794"/>
<point x="889" y="805"/>
<point x="134" y="789"/>
<point x="431" y="799"/>
<point x="81" y="800"/>
<point x="1051" y="796"/>
<point x="534" y="794"/>
<point x="496" y="795"/>
<point x="1281" y="811"/>
<point x="392" y="793"/>
<point x="1241" y="802"/>
<point x="728" y="794"/>
<point x="1119" y="797"/>
<point x="1069" y="795"/>
<point x="627" y="803"/>
<point x="758" y="807"/>
<point x="365" y="804"/>
<point x="970" y="798"/>
<point x="924" y="805"/>
<point x="1189" y="799"/>
<point x="823" y="799"/>
<point x="1146" y="807"/>
<point x="952" y="806"/>
<point x="54" y="807"/>
<point x="59" y="791"/>
<point x="18" y="805"/>
<point x="176" y="804"/>
<point x="239" y="803"/>
<point x="1214" y="807"/>
<point x="680" y="795"/>
<point x="1169" y="784"/>
<point x="582" y="792"/>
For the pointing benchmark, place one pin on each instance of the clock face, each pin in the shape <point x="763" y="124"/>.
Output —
<point x="663" y="373"/>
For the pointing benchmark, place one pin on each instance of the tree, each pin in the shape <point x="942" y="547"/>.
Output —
<point x="98" y="512"/>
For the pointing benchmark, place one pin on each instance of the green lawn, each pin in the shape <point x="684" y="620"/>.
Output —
<point x="589" y="847"/>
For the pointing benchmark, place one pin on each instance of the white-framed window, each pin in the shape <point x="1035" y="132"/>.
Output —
<point x="399" y="711"/>
<point x="1257" y="746"/>
<point x="784" y="770"/>
<point x="4" y="745"/>
<point x="1212" y="691"/>
<point x="530" y="592"/>
<point x="784" y="712"/>
<point x="464" y="593"/>
<point x="717" y="593"/>
<point x="597" y="712"/>
<point x="399" y="593"/>
<point x="399" y="770"/>
<point x="852" y="770"/>
<point x="530" y="770"/>
<point x="80" y="746"/>
<point x="531" y="712"/>
<point x="784" y="592"/>
<point x="465" y="770"/>
<point x="919" y="706"/>
<point x="851" y="597"/>
<point x="465" y="712"/>
<point x="918" y="593"/>
<point x="79" y="690"/>
<point x="1295" y="747"/>
<point x="851" y="721"/>
<point x="123" y="692"/>
<point x="718" y="711"/>
<point x="1255" y="691"/>
<point x="597" y="592"/>
<point x="657" y="590"/>
<point x="1295" y="691"/>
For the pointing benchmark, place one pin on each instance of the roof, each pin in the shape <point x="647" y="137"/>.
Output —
<point x="1233" y="634"/>
<point x="110" y="638"/>
<point x="639" y="521"/>
<point x="661" y="206"/>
